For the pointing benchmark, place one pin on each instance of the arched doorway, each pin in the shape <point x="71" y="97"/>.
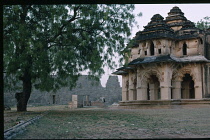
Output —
<point x="53" y="99"/>
<point x="148" y="92"/>
<point x="184" y="49"/>
<point x="153" y="88"/>
<point x="201" y="41"/>
<point x="188" y="90"/>
<point x="152" y="49"/>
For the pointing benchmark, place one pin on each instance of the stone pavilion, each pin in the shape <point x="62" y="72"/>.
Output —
<point x="169" y="63"/>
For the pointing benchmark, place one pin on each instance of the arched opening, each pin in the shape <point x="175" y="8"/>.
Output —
<point x="139" y="51"/>
<point x="153" y="88"/>
<point x="148" y="92"/>
<point x="184" y="49"/>
<point x="152" y="49"/>
<point x="159" y="51"/>
<point x="145" y="52"/>
<point x="53" y="99"/>
<point x="188" y="90"/>
<point x="159" y="95"/>
<point x="201" y="41"/>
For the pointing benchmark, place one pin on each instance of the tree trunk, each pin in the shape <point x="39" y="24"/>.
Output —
<point x="23" y="97"/>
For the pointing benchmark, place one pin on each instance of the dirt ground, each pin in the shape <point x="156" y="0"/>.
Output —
<point x="111" y="123"/>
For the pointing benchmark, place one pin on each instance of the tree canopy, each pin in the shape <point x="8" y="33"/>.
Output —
<point x="40" y="40"/>
<point x="204" y="23"/>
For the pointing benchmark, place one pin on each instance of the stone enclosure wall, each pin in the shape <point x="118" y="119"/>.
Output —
<point x="111" y="93"/>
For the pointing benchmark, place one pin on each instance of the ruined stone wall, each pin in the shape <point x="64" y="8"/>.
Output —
<point x="85" y="86"/>
<point x="113" y="91"/>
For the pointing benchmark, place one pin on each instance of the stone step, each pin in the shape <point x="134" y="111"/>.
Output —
<point x="165" y="102"/>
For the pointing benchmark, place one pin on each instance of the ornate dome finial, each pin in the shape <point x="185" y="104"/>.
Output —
<point x="156" y="28"/>
<point x="175" y="10"/>
<point x="175" y="18"/>
<point x="157" y="17"/>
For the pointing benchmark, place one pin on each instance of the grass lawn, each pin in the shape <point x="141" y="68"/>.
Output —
<point x="102" y="123"/>
<point x="12" y="117"/>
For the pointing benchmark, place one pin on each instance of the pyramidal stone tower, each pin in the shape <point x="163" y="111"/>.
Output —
<point x="169" y="63"/>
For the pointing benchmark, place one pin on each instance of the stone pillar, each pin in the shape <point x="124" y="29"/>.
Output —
<point x="132" y="86"/>
<point x="176" y="90"/>
<point x="127" y="95"/>
<point x="125" y="84"/>
<point x="165" y="92"/>
<point x="124" y="97"/>
<point x="198" y="82"/>
<point x="165" y="89"/>
<point x="198" y="90"/>
<point x="165" y="84"/>
<point x="131" y="94"/>
<point x="142" y="93"/>
<point x="77" y="101"/>
<point x="138" y="85"/>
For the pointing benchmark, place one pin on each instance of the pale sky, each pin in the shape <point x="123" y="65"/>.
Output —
<point x="193" y="12"/>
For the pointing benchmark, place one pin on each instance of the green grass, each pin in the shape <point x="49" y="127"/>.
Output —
<point x="104" y="123"/>
<point x="12" y="117"/>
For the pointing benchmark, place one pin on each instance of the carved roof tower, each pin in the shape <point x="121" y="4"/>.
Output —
<point x="156" y="28"/>
<point x="176" y="27"/>
<point x="175" y="17"/>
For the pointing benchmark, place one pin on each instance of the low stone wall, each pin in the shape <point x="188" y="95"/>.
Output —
<point x="20" y="128"/>
<point x="182" y="103"/>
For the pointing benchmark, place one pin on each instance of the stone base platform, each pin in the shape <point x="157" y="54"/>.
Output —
<point x="181" y="103"/>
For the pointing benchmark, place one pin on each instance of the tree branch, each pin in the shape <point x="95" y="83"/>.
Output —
<point x="69" y="21"/>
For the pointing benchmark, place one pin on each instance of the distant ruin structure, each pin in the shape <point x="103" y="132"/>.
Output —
<point x="77" y="101"/>
<point x="85" y="87"/>
<point x="169" y="61"/>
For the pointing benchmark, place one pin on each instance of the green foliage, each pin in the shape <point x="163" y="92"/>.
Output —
<point x="63" y="39"/>
<point x="204" y="23"/>
<point x="126" y="52"/>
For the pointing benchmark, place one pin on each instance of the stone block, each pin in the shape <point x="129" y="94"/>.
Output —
<point x="77" y="101"/>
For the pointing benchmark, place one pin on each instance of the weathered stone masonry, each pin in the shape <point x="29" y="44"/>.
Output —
<point x="170" y="59"/>
<point x="111" y="93"/>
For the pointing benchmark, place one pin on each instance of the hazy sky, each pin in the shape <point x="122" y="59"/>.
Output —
<point x="193" y="12"/>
